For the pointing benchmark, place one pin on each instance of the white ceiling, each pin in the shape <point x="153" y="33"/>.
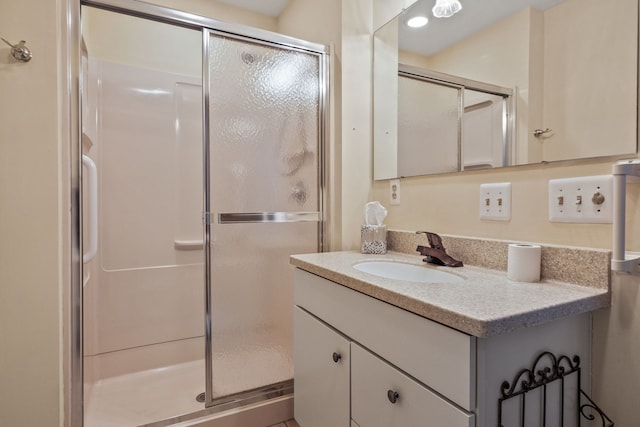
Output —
<point x="266" y="7"/>
<point x="475" y="15"/>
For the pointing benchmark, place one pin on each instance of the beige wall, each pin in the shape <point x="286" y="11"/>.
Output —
<point x="31" y="219"/>
<point x="31" y="216"/>
<point x="356" y="116"/>
<point x="167" y="48"/>
<point x="221" y="12"/>
<point x="294" y="21"/>
<point x="590" y="83"/>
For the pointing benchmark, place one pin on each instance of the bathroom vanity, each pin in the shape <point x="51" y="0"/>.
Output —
<point x="373" y="351"/>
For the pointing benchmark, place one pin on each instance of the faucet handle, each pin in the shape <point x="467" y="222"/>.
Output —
<point x="435" y="241"/>
<point x="436" y="254"/>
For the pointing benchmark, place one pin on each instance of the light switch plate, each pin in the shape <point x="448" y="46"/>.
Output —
<point x="495" y="201"/>
<point x="586" y="199"/>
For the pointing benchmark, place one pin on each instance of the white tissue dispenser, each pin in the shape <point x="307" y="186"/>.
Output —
<point x="374" y="239"/>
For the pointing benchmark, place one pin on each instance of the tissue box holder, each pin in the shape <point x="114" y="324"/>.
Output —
<point x="373" y="239"/>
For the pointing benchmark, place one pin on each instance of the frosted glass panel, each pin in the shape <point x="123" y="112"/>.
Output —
<point x="252" y="299"/>
<point x="428" y="127"/>
<point x="264" y="109"/>
<point x="263" y="127"/>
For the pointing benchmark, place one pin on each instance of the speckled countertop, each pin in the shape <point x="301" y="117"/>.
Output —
<point x="485" y="304"/>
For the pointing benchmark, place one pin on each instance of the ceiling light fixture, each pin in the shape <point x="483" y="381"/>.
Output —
<point x="417" y="21"/>
<point x="446" y="8"/>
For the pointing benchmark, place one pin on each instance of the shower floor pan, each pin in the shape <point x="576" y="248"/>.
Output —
<point x="154" y="395"/>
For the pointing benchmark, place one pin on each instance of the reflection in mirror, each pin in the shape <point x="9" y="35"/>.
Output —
<point x="486" y="130"/>
<point x="454" y="124"/>
<point x="429" y="128"/>
<point x="572" y="65"/>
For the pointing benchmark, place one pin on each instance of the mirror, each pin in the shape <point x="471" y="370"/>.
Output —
<point x="570" y="65"/>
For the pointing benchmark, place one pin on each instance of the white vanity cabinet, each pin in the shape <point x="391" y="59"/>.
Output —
<point x="400" y="369"/>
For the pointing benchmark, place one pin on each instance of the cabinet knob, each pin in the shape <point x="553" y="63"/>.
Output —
<point x="393" y="396"/>
<point x="336" y="357"/>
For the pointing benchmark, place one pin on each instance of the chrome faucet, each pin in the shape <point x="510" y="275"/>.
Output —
<point x="436" y="253"/>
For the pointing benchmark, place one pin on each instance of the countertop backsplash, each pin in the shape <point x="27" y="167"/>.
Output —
<point x="581" y="266"/>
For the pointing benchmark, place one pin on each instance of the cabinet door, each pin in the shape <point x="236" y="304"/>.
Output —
<point x="321" y="363"/>
<point x="382" y="396"/>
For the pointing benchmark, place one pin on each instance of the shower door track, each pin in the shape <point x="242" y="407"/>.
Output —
<point x="208" y="26"/>
<point x="281" y="390"/>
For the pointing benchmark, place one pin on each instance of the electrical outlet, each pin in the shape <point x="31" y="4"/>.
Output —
<point x="495" y="201"/>
<point x="394" y="195"/>
<point x="587" y="199"/>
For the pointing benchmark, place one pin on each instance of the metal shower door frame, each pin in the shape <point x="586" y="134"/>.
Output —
<point x="277" y="41"/>
<point x="207" y="26"/>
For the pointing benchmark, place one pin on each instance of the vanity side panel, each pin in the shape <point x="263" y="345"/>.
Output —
<point x="438" y="356"/>
<point x="501" y="357"/>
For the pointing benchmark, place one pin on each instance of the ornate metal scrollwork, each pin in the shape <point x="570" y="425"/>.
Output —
<point x="539" y="375"/>
<point x="591" y="406"/>
<point x="546" y="369"/>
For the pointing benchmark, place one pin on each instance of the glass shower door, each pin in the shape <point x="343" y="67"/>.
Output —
<point x="263" y="204"/>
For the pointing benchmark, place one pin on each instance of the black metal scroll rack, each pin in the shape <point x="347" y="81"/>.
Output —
<point x="550" y="371"/>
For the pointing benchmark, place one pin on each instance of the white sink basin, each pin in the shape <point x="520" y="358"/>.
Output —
<point x="408" y="272"/>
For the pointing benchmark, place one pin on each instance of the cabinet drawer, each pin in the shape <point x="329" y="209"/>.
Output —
<point x="414" y="405"/>
<point x="436" y="355"/>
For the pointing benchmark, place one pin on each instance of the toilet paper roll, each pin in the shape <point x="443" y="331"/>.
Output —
<point x="523" y="263"/>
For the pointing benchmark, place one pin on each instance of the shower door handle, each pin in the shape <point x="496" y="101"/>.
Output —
<point x="92" y="208"/>
<point x="255" y="217"/>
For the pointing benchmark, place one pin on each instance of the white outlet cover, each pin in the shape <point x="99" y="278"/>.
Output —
<point x="495" y="201"/>
<point x="571" y="199"/>
<point x="394" y="192"/>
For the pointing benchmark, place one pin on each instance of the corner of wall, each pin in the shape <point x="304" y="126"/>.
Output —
<point x="356" y="171"/>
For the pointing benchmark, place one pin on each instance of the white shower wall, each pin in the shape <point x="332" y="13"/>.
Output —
<point x="144" y="292"/>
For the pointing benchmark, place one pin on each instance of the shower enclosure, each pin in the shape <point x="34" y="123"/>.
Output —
<point x="203" y="151"/>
